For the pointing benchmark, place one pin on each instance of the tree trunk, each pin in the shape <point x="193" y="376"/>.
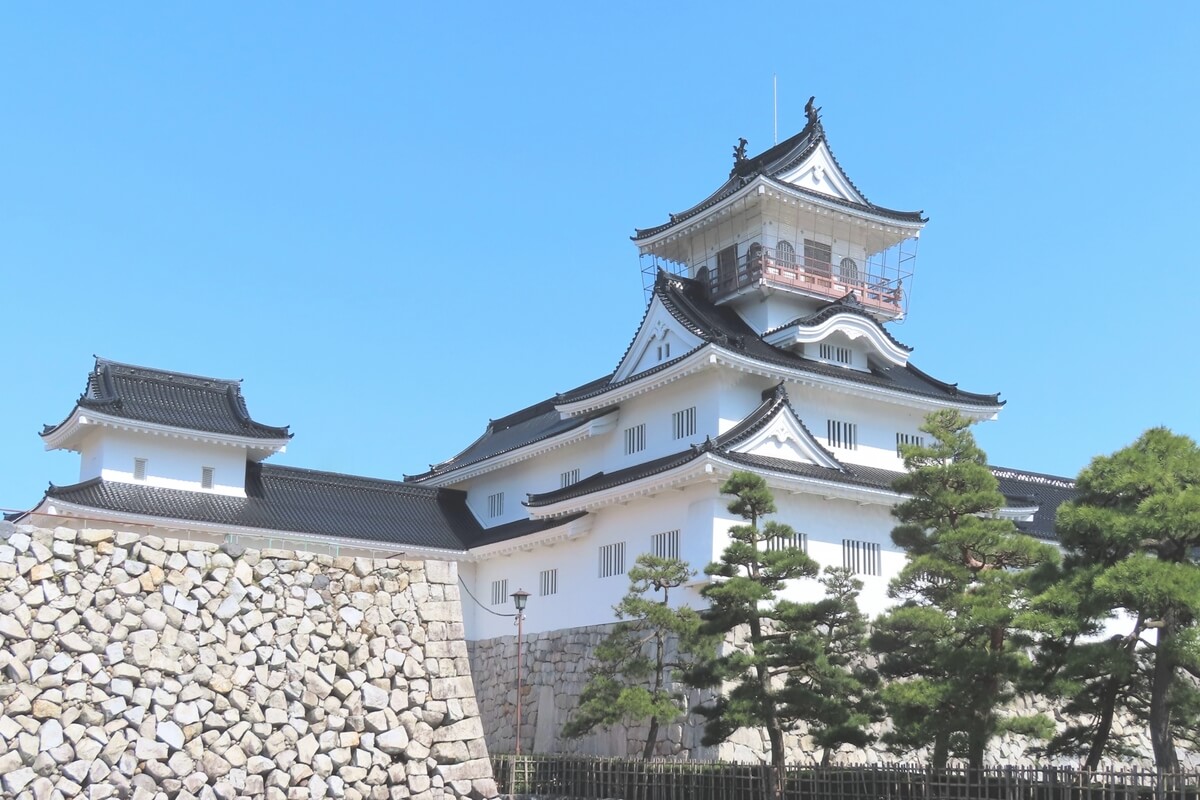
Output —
<point x="651" y="739"/>
<point x="1099" y="741"/>
<point x="1161" y="738"/>
<point x="941" y="750"/>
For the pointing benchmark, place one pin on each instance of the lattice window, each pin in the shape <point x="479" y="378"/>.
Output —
<point x="818" y="256"/>
<point x="683" y="423"/>
<point x="785" y="254"/>
<point x="139" y="469"/>
<point x="843" y="435"/>
<point x="908" y="438"/>
<point x="206" y="477"/>
<point x="665" y="544"/>
<point x="635" y="439"/>
<point x="548" y="582"/>
<point x="500" y="592"/>
<point x="496" y="505"/>
<point x="612" y="559"/>
<point x="776" y="543"/>
<point x="832" y="352"/>
<point x="569" y="477"/>
<point x="864" y="558"/>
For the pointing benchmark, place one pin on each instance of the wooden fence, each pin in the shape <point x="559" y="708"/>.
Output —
<point x="582" y="777"/>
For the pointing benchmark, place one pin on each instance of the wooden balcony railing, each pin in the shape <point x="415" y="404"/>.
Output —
<point x="811" y="276"/>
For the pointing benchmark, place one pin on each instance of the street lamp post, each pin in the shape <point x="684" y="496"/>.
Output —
<point x="519" y="598"/>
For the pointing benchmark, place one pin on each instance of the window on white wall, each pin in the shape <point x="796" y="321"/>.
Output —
<point x="831" y="352"/>
<point x="635" y="439"/>
<point x="785" y="254"/>
<point x="864" y="558"/>
<point x="139" y="469"/>
<point x="665" y="544"/>
<point x="908" y="438"/>
<point x="496" y="504"/>
<point x="818" y="256"/>
<point x="206" y="477"/>
<point x="548" y="582"/>
<point x="569" y="477"/>
<point x="842" y="434"/>
<point x="612" y="559"/>
<point x="683" y="423"/>
<point x="784" y="542"/>
<point x="500" y="592"/>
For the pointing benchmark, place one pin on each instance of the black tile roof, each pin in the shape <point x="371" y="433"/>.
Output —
<point x="522" y="527"/>
<point x="685" y="299"/>
<point x="189" y="402"/>
<point x="527" y="426"/>
<point x="770" y="164"/>
<point x="1047" y="492"/>
<point x="302" y="501"/>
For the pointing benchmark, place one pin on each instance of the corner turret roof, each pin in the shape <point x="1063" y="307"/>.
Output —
<point x="172" y="399"/>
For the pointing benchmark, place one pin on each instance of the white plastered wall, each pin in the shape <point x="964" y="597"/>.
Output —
<point x="171" y="463"/>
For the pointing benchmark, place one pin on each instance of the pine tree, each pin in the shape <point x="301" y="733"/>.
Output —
<point x="1132" y="537"/>
<point x="829" y="686"/>
<point x="760" y="558"/>
<point x="630" y="681"/>
<point x="955" y="646"/>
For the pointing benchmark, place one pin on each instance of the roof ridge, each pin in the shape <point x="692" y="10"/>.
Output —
<point x="339" y="478"/>
<point x="167" y="374"/>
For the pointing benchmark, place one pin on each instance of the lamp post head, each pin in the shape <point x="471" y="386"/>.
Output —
<point x="519" y="598"/>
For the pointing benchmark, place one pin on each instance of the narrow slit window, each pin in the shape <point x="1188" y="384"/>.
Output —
<point x="500" y="592"/>
<point x="863" y="558"/>
<point x="568" y="478"/>
<point x="683" y="423"/>
<point x="206" y="477"/>
<point x="843" y="435"/>
<point x="797" y="540"/>
<point x="665" y="544"/>
<point x="139" y="469"/>
<point x="908" y="438"/>
<point x="635" y="439"/>
<point x="496" y="505"/>
<point x="612" y="559"/>
<point x="836" y="353"/>
<point x="548" y="582"/>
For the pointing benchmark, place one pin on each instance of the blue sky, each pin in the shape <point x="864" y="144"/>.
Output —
<point x="396" y="223"/>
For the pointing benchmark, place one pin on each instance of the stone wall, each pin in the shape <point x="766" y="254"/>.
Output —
<point x="146" y="667"/>
<point x="555" y="668"/>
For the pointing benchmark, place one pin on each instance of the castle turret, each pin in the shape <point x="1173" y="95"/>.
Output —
<point x="786" y="233"/>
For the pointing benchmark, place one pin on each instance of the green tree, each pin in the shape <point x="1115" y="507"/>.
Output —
<point x="829" y="686"/>
<point x="955" y="647"/>
<point x="630" y="681"/>
<point x="760" y="558"/>
<point x="1131" y="539"/>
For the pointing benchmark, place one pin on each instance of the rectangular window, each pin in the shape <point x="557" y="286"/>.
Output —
<point x="862" y="557"/>
<point x="612" y="560"/>
<point x="496" y="504"/>
<point x="206" y="477"/>
<point x="683" y="423"/>
<point x="665" y="544"/>
<point x="139" y="469"/>
<point x="567" y="478"/>
<point x="635" y="439"/>
<point x="796" y="540"/>
<point x="908" y="438"/>
<point x="818" y="256"/>
<point x="500" y="592"/>
<point x="831" y="352"/>
<point x="548" y="582"/>
<point x="842" y="434"/>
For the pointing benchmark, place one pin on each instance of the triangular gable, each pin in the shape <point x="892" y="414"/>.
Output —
<point x="819" y="172"/>
<point x="660" y="339"/>
<point x="785" y="437"/>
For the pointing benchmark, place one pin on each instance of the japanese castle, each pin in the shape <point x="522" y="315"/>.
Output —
<point x="763" y="347"/>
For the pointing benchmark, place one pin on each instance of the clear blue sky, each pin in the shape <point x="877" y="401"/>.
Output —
<point x="396" y="222"/>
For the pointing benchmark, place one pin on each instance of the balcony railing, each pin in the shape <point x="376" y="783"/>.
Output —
<point x="817" y="277"/>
